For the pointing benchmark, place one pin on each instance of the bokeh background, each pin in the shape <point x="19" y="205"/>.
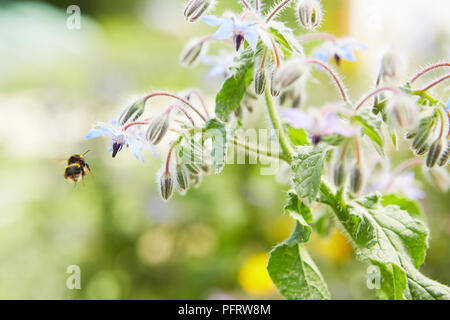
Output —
<point x="211" y="243"/>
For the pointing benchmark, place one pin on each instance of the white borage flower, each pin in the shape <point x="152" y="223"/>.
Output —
<point x="134" y="141"/>
<point x="404" y="183"/>
<point x="239" y="29"/>
<point x="340" y="49"/>
<point x="318" y="125"/>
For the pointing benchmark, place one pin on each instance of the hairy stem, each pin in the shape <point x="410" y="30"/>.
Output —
<point x="245" y="3"/>
<point x="435" y="83"/>
<point x="134" y="124"/>
<point x="285" y="143"/>
<point x="376" y="91"/>
<point x="335" y="77"/>
<point x="259" y="151"/>
<point x="276" y="9"/>
<point x="428" y="69"/>
<point x="167" y="94"/>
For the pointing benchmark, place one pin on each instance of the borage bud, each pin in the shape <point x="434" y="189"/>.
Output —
<point x="193" y="168"/>
<point x="196" y="8"/>
<point x="445" y="156"/>
<point x="288" y="74"/>
<point x="356" y="180"/>
<point x="132" y="112"/>
<point x="182" y="178"/>
<point x="339" y="174"/>
<point x="275" y="87"/>
<point x="195" y="180"/>
<point x="390" y="65"/>
<point x="260" y="81"/>
<point x="309" y="13"/>
<point x="402" y="112"/>
<point x="422" y="150"/>
<point x="192" y="52"/>
<point x="158" y="128"/>
<point x="434" y="153"/>
<point x="166" y="185"/>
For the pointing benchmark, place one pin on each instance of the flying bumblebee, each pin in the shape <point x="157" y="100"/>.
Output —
<point x="77" y="168"/>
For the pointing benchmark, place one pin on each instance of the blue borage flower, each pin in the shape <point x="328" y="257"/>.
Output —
<point x="447" y="108"/>
<point x="319" y="125"/>
<point x="239" y="30"/>
<point x="341" y="49"/>
<point x="135" y="142"/>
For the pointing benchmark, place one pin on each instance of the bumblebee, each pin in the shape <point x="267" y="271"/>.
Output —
<point x="77" y="168"/>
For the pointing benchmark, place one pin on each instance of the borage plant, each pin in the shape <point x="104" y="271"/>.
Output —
<point x="339" y="169"/>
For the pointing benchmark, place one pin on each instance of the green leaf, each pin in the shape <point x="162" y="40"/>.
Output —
<point x="298" y="137"/>
<point x="294" y="272"/>
<point x="371" y="126"/>
<point x="391" y="239"/>
<point x="218" y="133"/>
<point x="284" y="36"/>
<point x="233" y="89"/>
<point x="307" y="168"/>
<point x="412" y="207"/>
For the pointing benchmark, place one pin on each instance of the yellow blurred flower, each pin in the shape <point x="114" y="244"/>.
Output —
<point x="334" y="247"/>
<point x="253" y="276"/>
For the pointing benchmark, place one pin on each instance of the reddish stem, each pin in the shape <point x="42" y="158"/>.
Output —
<point x="202" y="101"/>
<point x="435" y="83"/>
<point x="277" y="8"/>
<point x="169" y="155"/>
<point x="376" y="91"/>
<point x="428" y="69"/>
<point x="134" y="124"/>
<point x="155" y="94"/>
<point x="333" y="75"/>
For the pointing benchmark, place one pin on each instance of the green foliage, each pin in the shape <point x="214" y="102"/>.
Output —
<point x="284" y="36"/>
<point x="233" y="89"/>
<point x="371" y="126"/>
<point x="307" y="168"/>
<point x="391" y="239"/>
<point x="290" y="265"/>
<point x="298" y="137"/>
<point x="412" y="207"/>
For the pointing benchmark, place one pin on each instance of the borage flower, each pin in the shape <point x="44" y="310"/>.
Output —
<point x="340" y="49"/>
<point x="239" y="29"/>
<point x="318" y="125"/>
<point x="120" y="137"/>
<point x="219" y="65"/>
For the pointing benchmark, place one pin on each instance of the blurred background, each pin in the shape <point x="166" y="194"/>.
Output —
<point x="209" y="244"/>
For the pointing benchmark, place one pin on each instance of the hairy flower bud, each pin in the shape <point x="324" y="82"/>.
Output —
<point x="288" y="74"/>
<point x="182" y="177"/>
<point x="195" y="180"/>
<point x="192" y="52"/>
<point x="275" y="87"/>
<point x="166" y="185"/>
<point x="445" y="156"/>
<point x="192" y="168"/>
<point x="356" y="180"/>
<point x="403" y="112"/>
<point x="434" y="153"/>
<point x="309" y="13"/>
<point x="158" y="128"/>
<point x="194" y="9"/>
<point x="339" y="174"/>
<point x="422" y="150"/>
<point x="132" y="112"/>
<point x="390" y="65"/>
<point x="260" y="81"/>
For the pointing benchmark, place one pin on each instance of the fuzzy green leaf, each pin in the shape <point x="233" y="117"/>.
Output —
<point x="307" y="168"/>
<point x="298" y="137"/>
<point x="371" y="126"/>
<point x="294" y="272"/>
<point x="391" y="239"/>
<point x="233" y="89"/>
